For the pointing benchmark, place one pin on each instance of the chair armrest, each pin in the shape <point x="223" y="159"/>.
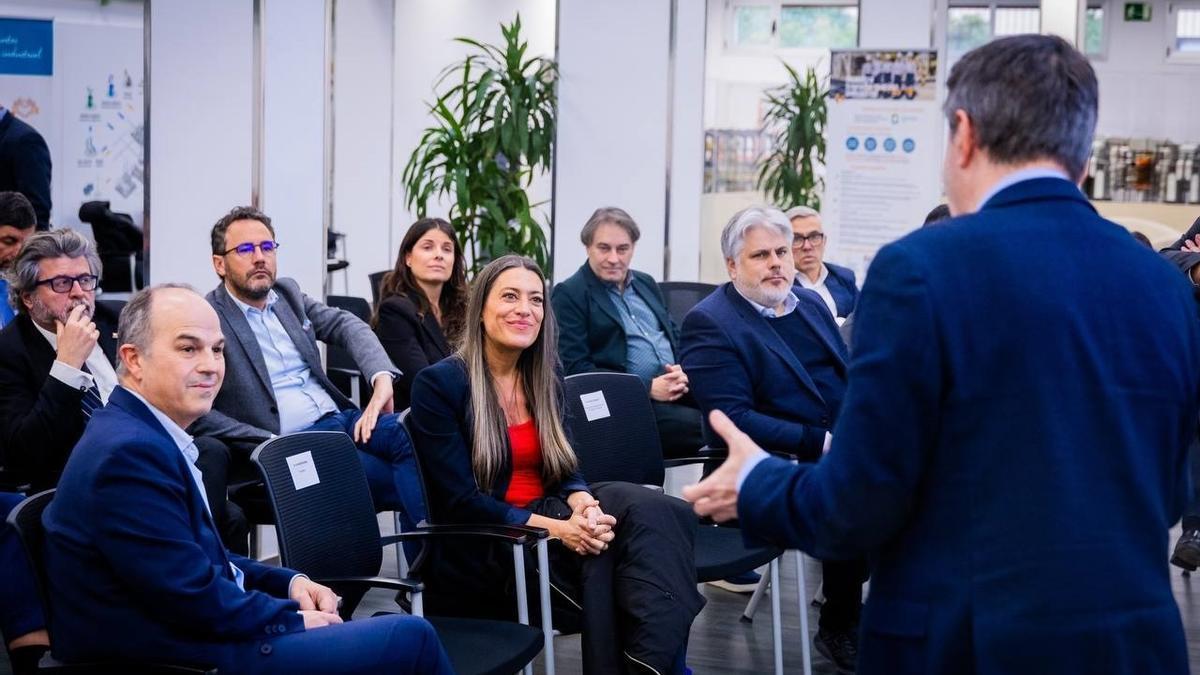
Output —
<point x="511" y="534"/>
<point x="345" y="371"/>
<point x="374" y="582"/>
<point x="719" y="454"/>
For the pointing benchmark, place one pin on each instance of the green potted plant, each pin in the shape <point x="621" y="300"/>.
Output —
<point x="493" y="130"/>
<point x="795" y="119"/>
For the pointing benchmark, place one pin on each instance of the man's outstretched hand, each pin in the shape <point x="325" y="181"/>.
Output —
<point x="717" y="495"/>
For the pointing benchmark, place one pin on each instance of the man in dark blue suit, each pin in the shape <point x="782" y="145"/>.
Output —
<point x="25" y="164"/>
<point x="768" y="354"/>
<point x="136" y="568"/>
<point x="1012" y="449"/>
<point x="835" y="284"/>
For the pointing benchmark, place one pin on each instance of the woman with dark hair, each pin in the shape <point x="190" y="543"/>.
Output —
<point x="422" y="302"/>
<point x="487" y="427"/>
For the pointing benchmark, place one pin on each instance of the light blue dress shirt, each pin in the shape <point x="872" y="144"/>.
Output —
<point x="300" y="398"/>
<point x="647" y="348"/>
<point x="187" y="446"/>
<point x="6" y="310"/>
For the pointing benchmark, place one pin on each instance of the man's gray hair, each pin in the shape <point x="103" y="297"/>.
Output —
<point x="64" y="243"/>
<point x="801" y="212"/>
<point x="1029" y="97"/>
<point x="733" y="236"/>
<point x="133" y="328"/>
<point x="610" y="215"/>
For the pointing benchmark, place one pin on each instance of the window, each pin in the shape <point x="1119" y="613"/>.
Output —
<point x="1093" y="31"/>
<point x="814" y="24"/>
<point x="973" y="25"/>
<point x="1187" y="31"/>
<point x="828" y="27"/>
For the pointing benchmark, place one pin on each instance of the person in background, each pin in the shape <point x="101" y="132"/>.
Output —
<point x="835" y="284"/>
<point x="25" y="164"/>
<point x="614" y="318"/>
<point x="1012" y="448"/>
<point x="422" y="302"/>
<point x="17" y="222"/>
<point x="487" y="426"/>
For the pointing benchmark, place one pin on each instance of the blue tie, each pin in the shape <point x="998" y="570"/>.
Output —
<point x="91" y="401"/>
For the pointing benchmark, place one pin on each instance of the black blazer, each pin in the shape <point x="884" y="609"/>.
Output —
<point x="412" y="342"/>
<point x="25" y="165"/>
<point x="40" y="418"/>
<point x="591" y="334"/>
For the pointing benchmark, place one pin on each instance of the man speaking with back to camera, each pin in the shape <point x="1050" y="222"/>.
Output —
<point x="1012" y="448"/>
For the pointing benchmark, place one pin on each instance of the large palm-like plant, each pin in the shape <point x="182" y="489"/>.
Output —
<point x="795" y="118"/>
<point x="493" y="129"/>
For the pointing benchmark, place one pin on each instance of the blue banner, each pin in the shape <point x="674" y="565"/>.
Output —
<point x="26" y="47"/>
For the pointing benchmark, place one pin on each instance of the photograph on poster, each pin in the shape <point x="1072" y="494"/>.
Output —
<point x="908" y="75"/>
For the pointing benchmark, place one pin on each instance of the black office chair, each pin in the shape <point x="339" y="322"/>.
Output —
<point x="325" y="520"/>
<point x="619" y="441"/>
<point x="376" y="279"/>
<point x="119" y="243"/>
<point x="682" y="296"/>
<point x="26" y="519"/>
<point x="340" y="367"/>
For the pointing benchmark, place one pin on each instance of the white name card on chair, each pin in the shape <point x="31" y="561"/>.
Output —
<point x="594" y="406"/>
<point x="304" y="471"/>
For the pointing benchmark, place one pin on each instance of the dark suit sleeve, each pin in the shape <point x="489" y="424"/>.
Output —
<point x="437" y="406"/>
<point x="218" y="424"/>
<point x="1190" y="234"/>
<point x="398" y="330"/>
<point x="38" y="428"/>
<point x="570" y="310"/>
<point x="339" y="327"/>
<point x="720" y="380"/>
<point x="860" y="494"/>
<point x="1184" y="260"/>
<point x="31" y="168"/>
<point x="142" y="525"/>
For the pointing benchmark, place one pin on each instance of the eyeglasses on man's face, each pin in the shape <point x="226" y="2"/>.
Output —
<point x="267" y="247"/>
<point x="813" y="238"/>
<point x="63" y="284"/>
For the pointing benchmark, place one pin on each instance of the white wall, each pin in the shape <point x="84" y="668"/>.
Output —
<point x="199" y="132"/>
<point x="895" y="24"/>
<point x="423" y="38"/>
<point x="612" y="132"/>
<point x="363" y="185"/>
<point x="293" y="135"/>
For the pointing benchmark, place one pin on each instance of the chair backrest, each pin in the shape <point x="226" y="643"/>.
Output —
<point x="612" y="427"/>
<point x="115" y="306"/>
<point x="376" y="279"/>
<point x="682" y="296"/>
<point x="336" y="357"/>
<point x="26" y="519"/>
<point x="324" y="515"/>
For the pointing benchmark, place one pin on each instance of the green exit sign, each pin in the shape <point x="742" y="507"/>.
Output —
<point x="1137" y="11"/>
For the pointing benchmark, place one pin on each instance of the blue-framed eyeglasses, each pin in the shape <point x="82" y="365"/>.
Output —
<point x="267" y="247"/>
<point x="63" y="284"/>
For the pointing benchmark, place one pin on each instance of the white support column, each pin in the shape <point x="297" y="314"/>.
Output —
<point x="199" y="133"/>
<point x="612" y="123"/>
<point x="1064" y="18"/>
<point x="295" y="102"/>
<point x="687" y="143"/>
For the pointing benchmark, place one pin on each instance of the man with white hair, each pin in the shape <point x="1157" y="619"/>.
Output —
<point x="768" y="355"/>
<point x="835" y="284"/>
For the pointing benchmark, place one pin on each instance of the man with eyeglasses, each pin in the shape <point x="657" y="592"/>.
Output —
<point x="56" y="369"/>
<point x="274" y="379"/>
<point x="834" y="283"/>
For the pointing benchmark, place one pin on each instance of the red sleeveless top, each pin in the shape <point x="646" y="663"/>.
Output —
<point x="526" y="482"/>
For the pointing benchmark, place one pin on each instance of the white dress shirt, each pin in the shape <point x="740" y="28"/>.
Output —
<point x="102" y="373"/>
<point x="821" y="289"/>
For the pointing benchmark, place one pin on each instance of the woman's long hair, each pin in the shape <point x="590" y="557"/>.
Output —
<point x="400" y="281"/>
<point x="538" y="373"/>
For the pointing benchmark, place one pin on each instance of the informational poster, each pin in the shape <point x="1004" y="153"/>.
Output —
<point x="26" y="72"/>
<point x="102" y="157"/>
<point x="882" y="152"/>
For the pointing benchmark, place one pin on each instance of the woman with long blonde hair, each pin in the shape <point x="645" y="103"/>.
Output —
<point x="487" y="426"/>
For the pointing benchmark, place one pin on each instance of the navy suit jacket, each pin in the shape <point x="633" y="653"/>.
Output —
<point x="591" y="333"/>
<point x="25" y="165"/>
<point x="136" y="569"/>
<point x="843" y="287"/>
<point x="737" y="363"/>
<point x="1012" y="449"/>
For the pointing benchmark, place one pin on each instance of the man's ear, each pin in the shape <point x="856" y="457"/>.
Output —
<point x="129" y="357"/>
<point x="962" y="140"/>
<point x="219" y="265"/>
<point x="27" y="299"/>
<point x="731" y="267"/>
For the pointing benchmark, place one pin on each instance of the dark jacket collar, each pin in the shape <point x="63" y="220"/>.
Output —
<point x="764" y="332"/>
<point x="1037" y="189"/>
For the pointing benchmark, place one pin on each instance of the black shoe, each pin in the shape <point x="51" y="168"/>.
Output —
<point x="840" y="647"/>
<point x="1187" y="551"/>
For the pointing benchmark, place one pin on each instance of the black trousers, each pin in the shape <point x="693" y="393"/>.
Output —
<point x="843" y="594"/>
<point x="213" y="463"/>
<point x="679" y="428"/>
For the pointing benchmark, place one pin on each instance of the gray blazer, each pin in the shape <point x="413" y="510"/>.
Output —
<point x="244" y="412"/>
